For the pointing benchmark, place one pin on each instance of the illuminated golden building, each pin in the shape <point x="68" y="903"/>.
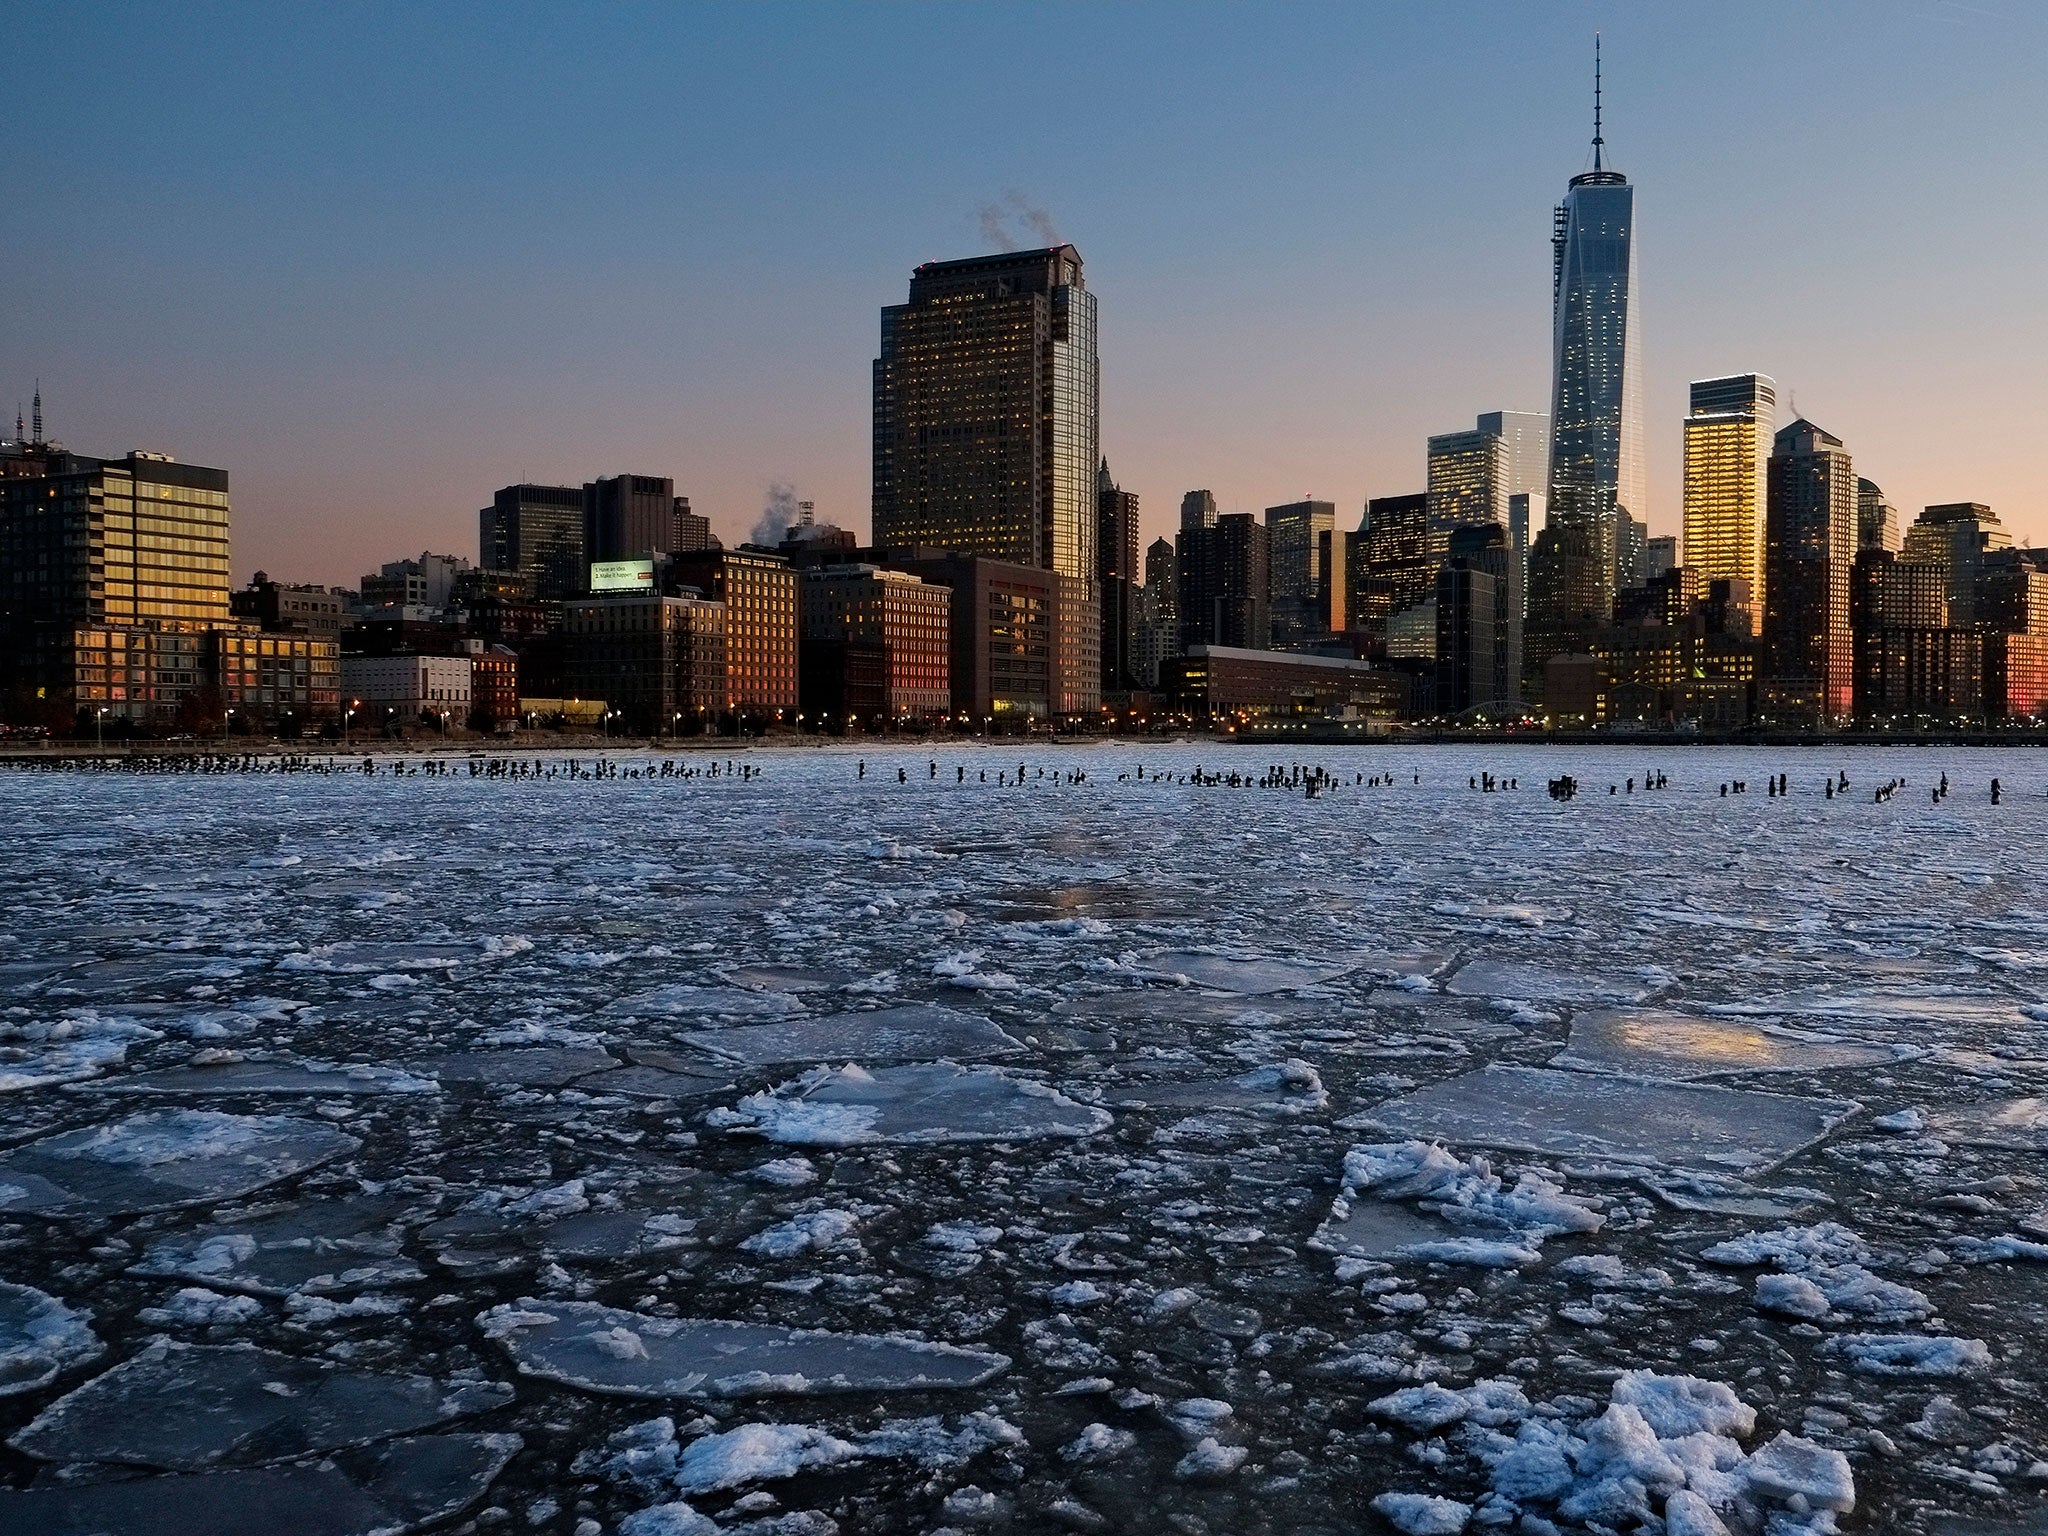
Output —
<point x="759" y="591"/>
<point x="112" y="573"/>
<point x="1727" y="454"/>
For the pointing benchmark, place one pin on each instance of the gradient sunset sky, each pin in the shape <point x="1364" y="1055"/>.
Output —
<point x="378" y="260"/>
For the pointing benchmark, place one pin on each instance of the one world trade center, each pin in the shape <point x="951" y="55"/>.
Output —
<point x="1596" y="442"/>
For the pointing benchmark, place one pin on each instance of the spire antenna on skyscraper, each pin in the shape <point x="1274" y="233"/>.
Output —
<point x="1597" y="140"/>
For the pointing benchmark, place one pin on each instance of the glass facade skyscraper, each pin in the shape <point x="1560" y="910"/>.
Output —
<point x="986" y="436"/>
<point x="1596" y="439"/>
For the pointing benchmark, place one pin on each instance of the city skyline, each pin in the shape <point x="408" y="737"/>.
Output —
<point x="372" y="417"/>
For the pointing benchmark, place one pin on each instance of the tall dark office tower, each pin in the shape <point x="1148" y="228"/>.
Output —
<point x="1392" y="564"/>
<point x="631" y="517"/>
<point x="1198" y="509"/>
<point x="1117" y="579"/>
<point x="1596" y="414"/>
<point x="1809" y="550"/>
<point x="1478" y="622"/>
<point x="987" y="435"/>
<point x="536" y="531"/>
<point x="1162" y="579"/>
<point x="1307" y="560"/>
<point x="1225" y="584"/>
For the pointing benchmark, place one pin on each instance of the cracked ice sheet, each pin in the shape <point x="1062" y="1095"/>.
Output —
<point x="604" y="1349"/>
<point x="183" y="1408"/>
<point x="1575" y="1114"/>
<point x="1653" y="1043"/>
<point x="161" y="1160"/>
<point x="850" y="1106"/>
<point x="913" y="1032"/>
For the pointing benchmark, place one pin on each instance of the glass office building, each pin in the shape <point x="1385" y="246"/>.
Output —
<point x="986" y="437"/>
<point x="1596" y="441"/>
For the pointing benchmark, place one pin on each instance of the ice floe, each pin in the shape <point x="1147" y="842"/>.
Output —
<point x="186" y="1407"/>
<point x="40" y="1339"/>
<point x="1653" y="1043"/>
<point x="1413" y="1200"/>
<point x="162" y="1159"/>
<point x="912" y="1032"/>
<point x="604" y="1349"/>
<point x="848" y="1106"/>
<point x="1574" y="1114"/>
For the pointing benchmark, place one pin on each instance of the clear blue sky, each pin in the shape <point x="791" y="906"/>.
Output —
<point x="377" y="260"/>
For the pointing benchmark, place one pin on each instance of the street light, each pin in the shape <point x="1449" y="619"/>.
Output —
<point x="346" y="716"/>
<point x="99" y="724"/>
<point x="224" y="719"/>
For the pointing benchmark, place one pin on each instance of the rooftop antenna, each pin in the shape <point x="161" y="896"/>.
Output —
<point x="1597" y="140"/>
<point x="20" y="426"/>
<point x="38" y="418"/>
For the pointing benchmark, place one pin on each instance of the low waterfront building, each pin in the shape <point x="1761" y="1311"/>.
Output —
<point x="1219" y="682"/>
<point x="405" y="689"/>
<point x="876" y="643"/>
<point x="659" y="660"/>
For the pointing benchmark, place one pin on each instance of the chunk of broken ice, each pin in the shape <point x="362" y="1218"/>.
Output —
<point x="603" y="1349"/>
<point x="162" y="1159"/>
<point x="1537" y="1109"/>
<point x="1246" y="977"/>
<point x="185" y="1407"/>
<point x="1651" y="1043"/>
<point x="1906" y="1354"/>
<point x="538" y="1067"/>
<point x="269" y="1077"/>
<point x="40" y="1338"/>
<point x="912" y="1032"/>
<point x="2019" y="1125"/>
<point x="1449" y="1210"/>
<point x="316" y="1247"/>
<point x="384" y="1490"/>
<point x="848" y="1106"/>
<point x="1288" y="1087"/>
<point x="1522" y="982"/>
<point x="713" y="1002"/>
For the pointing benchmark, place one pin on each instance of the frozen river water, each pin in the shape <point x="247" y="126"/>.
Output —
<point x="802" y="1152"/>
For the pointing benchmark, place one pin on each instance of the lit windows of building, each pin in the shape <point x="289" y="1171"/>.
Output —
<point x="1727" y="453"/>
<point x="986" y="438"/>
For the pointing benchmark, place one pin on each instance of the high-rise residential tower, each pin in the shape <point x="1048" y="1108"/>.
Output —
<point x="1596" y="412"/>
<point x="1727" y="451"/>
<point x="1810" y="550"/>
<point x="986" y="435"/>
<point x="1225" y="579"/>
